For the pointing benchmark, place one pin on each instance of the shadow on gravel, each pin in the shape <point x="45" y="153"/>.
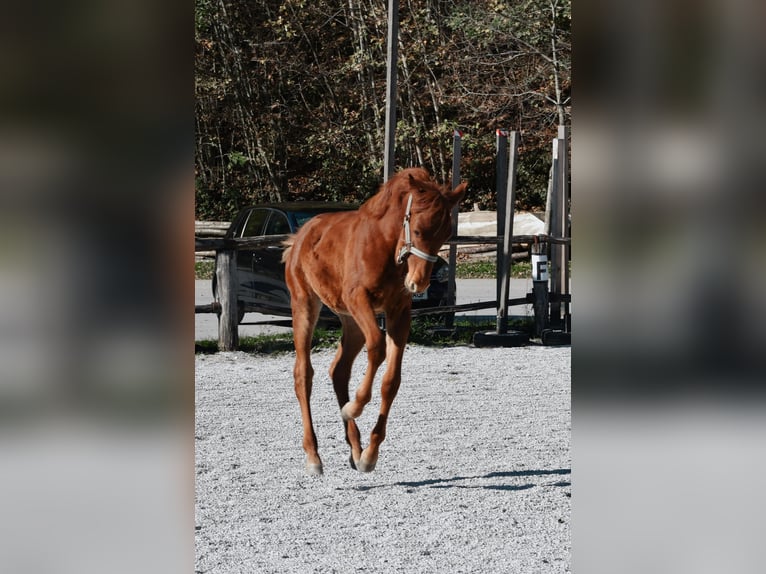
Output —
<point x="454" y="482"/>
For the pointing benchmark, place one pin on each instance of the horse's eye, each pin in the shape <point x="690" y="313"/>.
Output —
<point x="417" y="233"/>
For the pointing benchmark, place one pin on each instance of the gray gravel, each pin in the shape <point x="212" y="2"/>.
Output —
<point x="474" y="475"/>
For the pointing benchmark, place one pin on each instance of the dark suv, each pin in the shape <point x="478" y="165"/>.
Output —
<point x="261" y="273"/>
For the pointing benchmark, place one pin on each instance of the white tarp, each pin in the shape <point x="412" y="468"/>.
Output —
<point x="484" y="223"/>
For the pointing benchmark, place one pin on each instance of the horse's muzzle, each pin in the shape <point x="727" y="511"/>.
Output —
<point x="414" y="286"/>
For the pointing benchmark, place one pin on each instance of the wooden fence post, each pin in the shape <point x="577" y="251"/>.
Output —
<point x="226" y="277"/>
<point x="563" y="231"/>
<point x="506" y="191"/>
<point x="501" y="182"/>
<point x="504" y="256"/>
<point x="553" y="228"/>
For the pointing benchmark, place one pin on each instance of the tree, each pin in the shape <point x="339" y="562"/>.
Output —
<point x="290" y="95"/>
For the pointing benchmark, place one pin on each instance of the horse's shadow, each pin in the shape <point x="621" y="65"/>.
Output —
<point x="455" y="482"/>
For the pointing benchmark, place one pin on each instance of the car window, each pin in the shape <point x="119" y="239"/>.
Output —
<point x="302" y="217"/>
<point x="277" y="225"/>
<point x="255" y="221"/>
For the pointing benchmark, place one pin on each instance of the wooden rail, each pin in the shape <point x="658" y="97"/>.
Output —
<point x="528" y="299"/>
<point x="216" y="243"/>
<point x="490" y="239"/>
<point x="547" y="301"/>
<point x="214" y="307"/>
<point x="226" y="271"/>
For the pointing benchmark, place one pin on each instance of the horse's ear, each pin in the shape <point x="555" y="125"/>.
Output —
<point x="456" y="194"/>
<point x="416" y="184"/>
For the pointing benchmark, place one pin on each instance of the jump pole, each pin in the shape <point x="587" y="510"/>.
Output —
<point x="540" y="287"/>
<point x="506" y="231"/>
<point x="564" y="231"/>
<point x="555" y="330"/>
<point x="501" y="179"/>
<point x="553" y="228"/>
<point x="501" y="337"/>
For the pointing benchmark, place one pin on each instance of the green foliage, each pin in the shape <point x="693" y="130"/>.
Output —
<point x="464" y="270"/>
<point x="290" y="95"/>
<point x="429" y="333"/>
<point x="476" y="269"/>
<point x="521" y="270"/>
<point x="204" y="270"/>
<point x="273" y="344"/>
<point x="488" y="269"/>
<point x="424" y="331"/>
<point x="237" y="159"/>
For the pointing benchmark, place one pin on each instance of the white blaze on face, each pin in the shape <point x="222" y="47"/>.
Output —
<point x="418" y="279"/>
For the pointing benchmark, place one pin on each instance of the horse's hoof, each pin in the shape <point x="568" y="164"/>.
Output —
<point x="314" y="469"/>
<point x="365" y="466"/>
<point x="352" y="462"/>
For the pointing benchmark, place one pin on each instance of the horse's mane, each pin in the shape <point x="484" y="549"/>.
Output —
<point x="399" y="185"/>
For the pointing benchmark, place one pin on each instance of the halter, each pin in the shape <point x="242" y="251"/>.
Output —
<point x="408" y="247"/>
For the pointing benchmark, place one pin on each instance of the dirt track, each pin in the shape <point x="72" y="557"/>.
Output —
<point x="473" y="477"/>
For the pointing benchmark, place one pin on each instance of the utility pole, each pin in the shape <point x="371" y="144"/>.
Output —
<point x="393" y="45"/>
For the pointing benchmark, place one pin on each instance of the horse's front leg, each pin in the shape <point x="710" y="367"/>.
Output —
<point x="398" y="329"/>
<point x="364" y="316"/>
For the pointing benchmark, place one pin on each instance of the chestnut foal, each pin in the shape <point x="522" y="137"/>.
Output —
<point x="360" y="263"/>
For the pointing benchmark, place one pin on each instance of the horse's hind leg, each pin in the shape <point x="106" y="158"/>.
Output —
<point x="351" y="342"/>
<point x="305" y="310"/>
<point x="398" y="330"/>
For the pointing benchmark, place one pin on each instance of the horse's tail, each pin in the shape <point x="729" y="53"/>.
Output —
<point x="288" y="243"/>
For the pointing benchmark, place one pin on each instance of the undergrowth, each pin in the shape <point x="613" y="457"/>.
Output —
<point x="423" y="332"/>
<point x="463" y="270"/>
<point x="488" y="269"/>
<point x="273" y="344"/>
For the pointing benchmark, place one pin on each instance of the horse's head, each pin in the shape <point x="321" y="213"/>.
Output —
<point x="427" y="223"/>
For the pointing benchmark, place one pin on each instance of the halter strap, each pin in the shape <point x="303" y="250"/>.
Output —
<point x="408" y="247"/>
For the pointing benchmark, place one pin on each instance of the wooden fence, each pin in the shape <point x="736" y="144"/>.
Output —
<point x="226" y="273"/>
<point x="548" y="302"/>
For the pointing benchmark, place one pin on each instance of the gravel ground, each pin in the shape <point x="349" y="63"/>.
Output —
<point x="474" y="475"/>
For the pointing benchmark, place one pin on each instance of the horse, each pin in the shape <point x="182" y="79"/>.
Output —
<point x="359" y="264"/>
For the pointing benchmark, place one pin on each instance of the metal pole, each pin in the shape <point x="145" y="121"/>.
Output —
<point x="501" y="167"/>
<point x="456" y="156"/>
<point x="393" y="44"/>
<point x="540" y="287"/>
